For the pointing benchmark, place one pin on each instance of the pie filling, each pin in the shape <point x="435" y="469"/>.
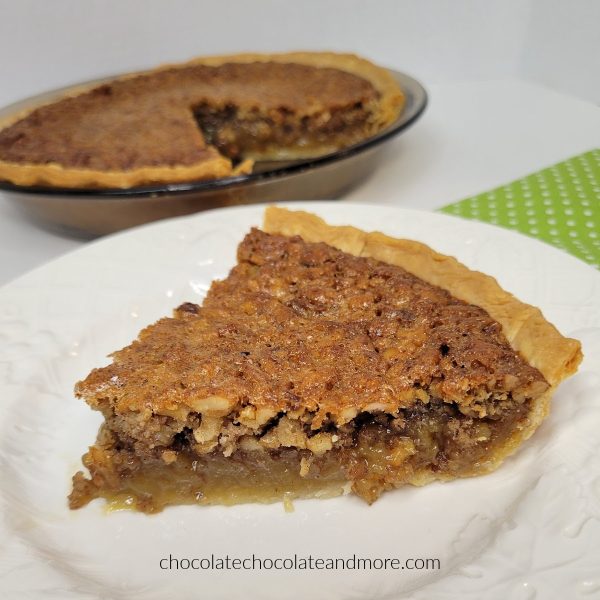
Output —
<point x="307" y="372"/>
<point x="280" y="134"/>
<point x="371" y="454"/>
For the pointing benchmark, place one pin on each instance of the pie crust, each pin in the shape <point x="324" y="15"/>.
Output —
<point x="328" y="358"/>
<point x="212" y="163"/>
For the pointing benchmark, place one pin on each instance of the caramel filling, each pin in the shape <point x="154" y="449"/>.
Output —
<point x="371" y="454"/>
<point x="279" y="134"/>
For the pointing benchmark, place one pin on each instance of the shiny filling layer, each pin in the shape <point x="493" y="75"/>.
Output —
<point x="241" y="134"/>
<point x="375" y="453"/>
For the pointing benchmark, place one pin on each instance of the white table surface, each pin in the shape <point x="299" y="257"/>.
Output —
<point x="473" y="136"/>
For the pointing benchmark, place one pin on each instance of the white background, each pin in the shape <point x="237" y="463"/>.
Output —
<point x="514" y="84"/>
<point x="554" y="42"/>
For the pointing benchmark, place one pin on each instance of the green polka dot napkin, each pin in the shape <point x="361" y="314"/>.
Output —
<point x="559" y="205"/>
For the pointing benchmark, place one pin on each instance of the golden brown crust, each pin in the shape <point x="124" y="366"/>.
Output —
<point x="54" y="174"/>
<point x="524" y="326"/>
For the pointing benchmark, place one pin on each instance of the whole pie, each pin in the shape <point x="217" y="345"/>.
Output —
<point x="204" y="119"/>
<point x="329" y="361"/>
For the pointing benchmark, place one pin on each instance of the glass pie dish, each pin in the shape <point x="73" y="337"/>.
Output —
<point x="95" y="212"/>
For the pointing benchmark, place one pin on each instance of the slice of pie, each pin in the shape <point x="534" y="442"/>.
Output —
<point x="329" y="360"/>
<point x="205" y="119"/>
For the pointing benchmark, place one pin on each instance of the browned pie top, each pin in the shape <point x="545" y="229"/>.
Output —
<point x="148" y="120"/>
<point x="299" y="326"/>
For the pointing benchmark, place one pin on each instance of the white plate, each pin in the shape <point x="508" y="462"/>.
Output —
<point x="531" y="529"/>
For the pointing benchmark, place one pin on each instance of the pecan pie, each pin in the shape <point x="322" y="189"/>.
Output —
<point x="329" y="360"/>
<point x="208" y="118"/>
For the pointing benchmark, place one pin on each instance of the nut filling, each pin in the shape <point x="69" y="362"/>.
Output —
<point x="369" y="455"/>
<point x="307" y="372"/>
<point x="239" y="134"/>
